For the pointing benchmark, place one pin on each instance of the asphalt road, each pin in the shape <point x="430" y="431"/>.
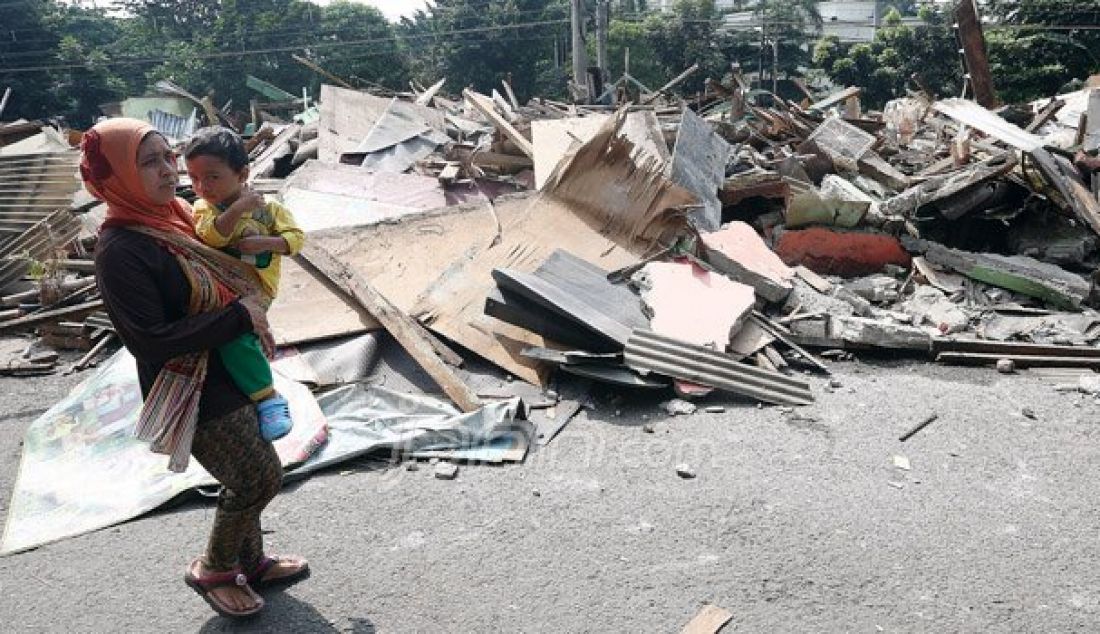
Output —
<point x="797" y="520"/>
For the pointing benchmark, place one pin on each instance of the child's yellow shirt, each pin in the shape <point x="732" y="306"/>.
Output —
<point x="273" y="220"/>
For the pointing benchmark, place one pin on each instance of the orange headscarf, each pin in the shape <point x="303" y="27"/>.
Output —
<point x="110" y="172"/>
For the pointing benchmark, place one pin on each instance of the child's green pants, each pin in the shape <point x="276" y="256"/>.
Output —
<point x="248" y="367"/>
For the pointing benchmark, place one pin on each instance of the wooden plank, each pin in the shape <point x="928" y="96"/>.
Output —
<point x="404" y="329"/>
<point x="49" y="315"/>
<point x="974" y="53"/>
<point x="1046" y="114"/>
<point x="989" y="123"/>
<point x="835" y="98"/>
<point x="485" y="107"/>
<point x="817" y="282"/>
<point x="709" y="620"/>
<point x="1076" y="196"/>
<point x="1021" y="360"/>
<point x="772" y="329"/>
<point x="946" y="185"/>
<point x="671" y="84"/>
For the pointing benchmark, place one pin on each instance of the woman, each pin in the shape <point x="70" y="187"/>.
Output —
<point x="172" y="300"/>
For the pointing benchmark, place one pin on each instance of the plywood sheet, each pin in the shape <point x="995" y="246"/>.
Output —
<point x="400" y="259"/>
<point x="554" y="139"/>
<point x="324" y="196"/>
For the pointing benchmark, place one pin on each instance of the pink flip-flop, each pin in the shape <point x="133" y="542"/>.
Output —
<point x="256" y="577"/>
<point x="204" y="584"/>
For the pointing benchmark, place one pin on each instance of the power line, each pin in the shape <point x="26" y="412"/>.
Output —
<point x="287" y="49"/>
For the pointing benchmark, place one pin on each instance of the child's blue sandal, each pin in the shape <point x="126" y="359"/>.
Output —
<point x="275" y="421"/>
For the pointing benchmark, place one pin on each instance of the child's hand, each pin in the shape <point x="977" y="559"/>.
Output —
<point x="250" y="199"/>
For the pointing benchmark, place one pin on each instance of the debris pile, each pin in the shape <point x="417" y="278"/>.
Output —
<point x="694" y="246"/>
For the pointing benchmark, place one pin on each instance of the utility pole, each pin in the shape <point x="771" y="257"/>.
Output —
<point x="580" y="55"/>
<point x="601" y="37"/>
<point x="763" y="43"/>
<point x="775" y="64"/>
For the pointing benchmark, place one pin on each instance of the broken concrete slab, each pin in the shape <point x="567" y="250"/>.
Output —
<point x="848" y="254"/>
<point x="931" y="306"/>
<point x="807" y="299"/>
<point x="739" y="253"/>
<point x="808" y="206"/>
<point x="875" y="288"/>
<point x="877" y="333"/>
<point x="694" y="305"/>
<point x="1018" y="273"/>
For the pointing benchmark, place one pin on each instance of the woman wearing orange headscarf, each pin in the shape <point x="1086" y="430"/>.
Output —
<point x="172" y="301"/>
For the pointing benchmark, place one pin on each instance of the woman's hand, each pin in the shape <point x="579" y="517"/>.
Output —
<point x="260" y="325"/>
<point x="262" y="244"/>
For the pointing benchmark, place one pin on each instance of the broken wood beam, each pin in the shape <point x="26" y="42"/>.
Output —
<point x="1010" y="348"/>
<point x="46" y="316"/>
<point x="1091" y="142"/>
<point x="671" y="84"/>
<point x="974" y="53"/>
<point x="425" y="97"/>
<point x="945" y="185"/>
<point x="836" y="98"/>
<point x="407" y="331"/>
<point x="486" y="108"/>
<point x="322" y="72"/>
<point x="1045" y="115"/>
<point x="99" y="347"/>
<point x="774" y="330"/>
<point x="1020" y="360"/>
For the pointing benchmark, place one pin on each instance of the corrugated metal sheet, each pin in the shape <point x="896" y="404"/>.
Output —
<point x="36" y="192"/>
<point x="648" y="351"/>
<point x="32" y="186"/>
<point x="172" y="126"/>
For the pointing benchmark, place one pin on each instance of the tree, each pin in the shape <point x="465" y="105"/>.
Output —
<point x="479" y="44"/>
<point x="1037" y="46"/>
<point x="883" y="67"/>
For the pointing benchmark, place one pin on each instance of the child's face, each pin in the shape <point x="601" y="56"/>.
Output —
<point x="214" y="180"/>
<point x="157" y="167"/>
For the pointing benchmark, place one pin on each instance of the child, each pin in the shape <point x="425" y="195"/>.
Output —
<point x="232" y="217"/>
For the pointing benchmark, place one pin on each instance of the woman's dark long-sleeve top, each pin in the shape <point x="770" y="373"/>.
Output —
<point x="146" y="294"/>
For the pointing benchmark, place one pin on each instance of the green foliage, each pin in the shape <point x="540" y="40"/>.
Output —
<point x="883" y="67"/>
<point x="1035" y="48"/>
<point x="76" y="58"/>
<point x="479" y="44"/>
<point x="1028" y="61"/>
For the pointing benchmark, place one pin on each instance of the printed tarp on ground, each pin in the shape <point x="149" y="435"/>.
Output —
<point x="82" y="470"/>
